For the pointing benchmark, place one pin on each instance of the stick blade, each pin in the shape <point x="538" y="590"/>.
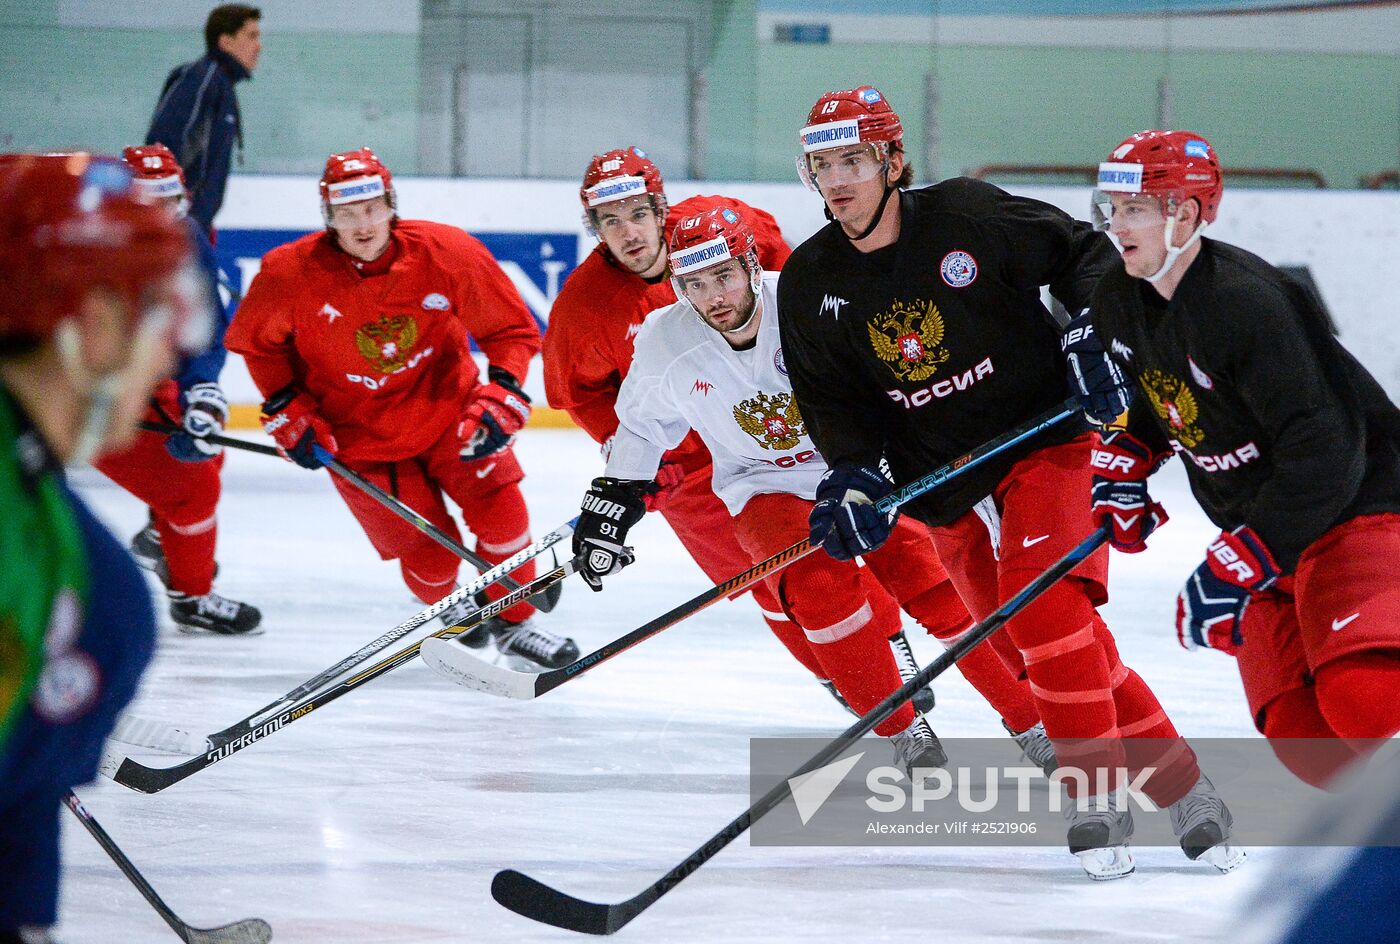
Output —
<point x="157" y="736"/>
<point x="247" y="931"/>
<point x="538" y="902"/>
<point x="137" y="776"/>
<point x="454" y="662"/>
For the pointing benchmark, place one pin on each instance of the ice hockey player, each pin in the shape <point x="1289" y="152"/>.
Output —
<point x="588" y="351"/>
<point x="724" y="332"/>
<point x="1290" y="446"/>
<point x="94" y="297"/>
<point x="913" y="331"/>
<point x="177" y="476"/>
<point x="358" y="338"/>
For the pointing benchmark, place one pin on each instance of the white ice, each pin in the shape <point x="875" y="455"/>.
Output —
<point x="382" y="817"/>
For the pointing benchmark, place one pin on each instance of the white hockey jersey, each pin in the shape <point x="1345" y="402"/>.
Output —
<point x="685" y="376"/>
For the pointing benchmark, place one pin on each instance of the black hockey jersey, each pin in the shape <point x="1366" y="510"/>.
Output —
<point x="1279" y="426"/>
<point x="932" y="346"/>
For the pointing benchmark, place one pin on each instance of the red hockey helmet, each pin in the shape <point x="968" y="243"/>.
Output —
<point x="158" y="173"/>
<point x="353" y="176"/>
<point x="1171" y="166"/>
<point x="74" y="222"/>
<point x="619" y="174"/>
<point x="709" y="239"/>
<point x="1179" y="164"/>
<point x="851" y="116"/>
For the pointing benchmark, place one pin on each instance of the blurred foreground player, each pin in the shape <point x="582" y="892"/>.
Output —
<point x="92" y="281"/>
<point x="358" y="337"/>
<point x="177" y="476"/>
<point x="914" y="332"/>
<point x="1291" y="448"/>
<point x="725" y="330"/>
<point x="588" y="351"/>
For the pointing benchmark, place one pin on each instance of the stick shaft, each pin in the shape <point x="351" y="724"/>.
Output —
<point x="548" y="681"/>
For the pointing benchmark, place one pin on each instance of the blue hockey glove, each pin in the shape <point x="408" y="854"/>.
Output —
<point x="1104" y="391"/>
<point x="206" y="413"/>
<point x="845" y="520"/>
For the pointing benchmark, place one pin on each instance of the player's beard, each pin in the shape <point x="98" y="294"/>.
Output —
<point x="641" y="264"/>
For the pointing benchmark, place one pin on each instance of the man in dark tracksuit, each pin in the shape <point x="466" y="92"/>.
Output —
<point x="1291" y="447"/>
<point x="197" y="114"/>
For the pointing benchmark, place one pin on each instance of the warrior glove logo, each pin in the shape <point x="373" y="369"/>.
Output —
<point x="774" y="422"/>
<point x="908" y="338"/>
<point x="602" y="506"/>
<point x="1175" y="405"/>
<point x="386" y="343"/>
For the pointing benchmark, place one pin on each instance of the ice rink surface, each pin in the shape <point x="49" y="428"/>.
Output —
<point x="381" y="819"/>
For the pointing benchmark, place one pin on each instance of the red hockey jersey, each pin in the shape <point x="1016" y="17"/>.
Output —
<point x="588" y="344"/>
<point x="385" y="356"/>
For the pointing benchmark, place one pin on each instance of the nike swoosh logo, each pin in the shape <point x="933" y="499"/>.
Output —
<point x="1031" y="542"/>
<point x="482" y="473"/>
<point x="1344" y="623"/>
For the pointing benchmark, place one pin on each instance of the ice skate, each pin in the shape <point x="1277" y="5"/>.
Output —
<point x="530" y="649"/>
<point x="149" y="555"/>
<point x="1202" y="822"/>
<point x="917" y="746"/>
<point x="1035" y="747"/>
<point x="462" y="612"/>
<point x="1099" y="836"/>
<point x="908" y="668"/>
<point x="214" y="613"/>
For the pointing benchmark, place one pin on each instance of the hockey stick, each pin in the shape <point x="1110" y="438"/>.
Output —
<point x="544" y="604"/>
<point x="539" y="902"/>
<point x="460" y="666"/>
<point x="143" y="779"/>
<point x="159" y="736"/>
<point x="170" y="429"/>
<point x="247" y="931"/>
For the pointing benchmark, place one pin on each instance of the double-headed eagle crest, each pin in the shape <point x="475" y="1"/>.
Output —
<point x="1175" y="404"/>
<point x="774" y="421"/>
<point x="387" y="342"/>
<point x="907" y="339"/>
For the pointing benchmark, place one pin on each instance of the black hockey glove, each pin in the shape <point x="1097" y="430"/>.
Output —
<point x="845" y="520"/>
<point x="1104" y="391"/>
<point x="610" y="508"/>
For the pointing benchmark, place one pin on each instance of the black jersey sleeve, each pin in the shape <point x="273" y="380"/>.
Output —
<point x="820" y="365"/>
<point x="1145" y="428"/>
<point x="1315" y="469"/>
<point x="1047" y="246"/>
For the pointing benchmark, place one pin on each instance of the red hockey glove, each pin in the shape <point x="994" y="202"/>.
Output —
<point x="668" y="479"/>
<point x="498" y="411"/>
<point x="291" y="419"/>
<point x="1211" y="606"/>
<point x="1121" y="505"/>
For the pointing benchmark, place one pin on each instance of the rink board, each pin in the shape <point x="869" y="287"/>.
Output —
<point x="1347" y="240"/>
